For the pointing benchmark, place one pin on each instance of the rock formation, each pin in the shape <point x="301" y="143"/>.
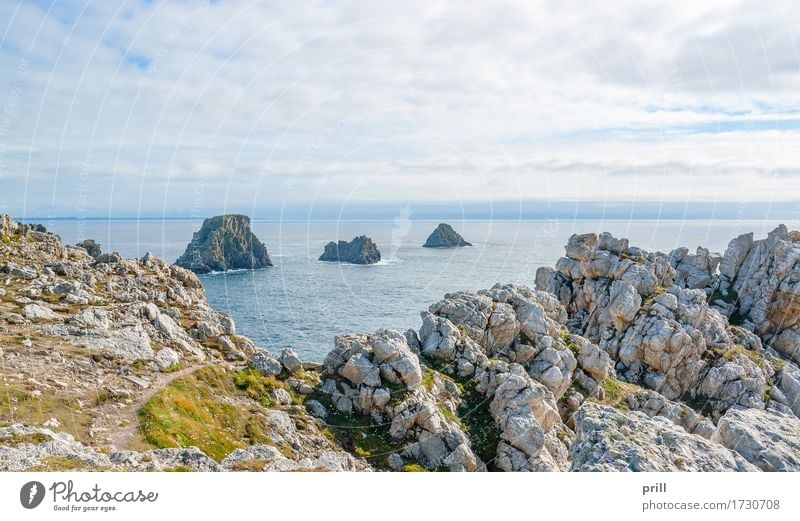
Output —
<point x="444" y="236"/>
<point x="615" y="362"/>
<point x="91" y="247"/>
<point x="361" y="250"/>
<point x="224" y="242"/>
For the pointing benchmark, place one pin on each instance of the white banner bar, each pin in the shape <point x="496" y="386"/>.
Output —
<point x="386" y="496"/>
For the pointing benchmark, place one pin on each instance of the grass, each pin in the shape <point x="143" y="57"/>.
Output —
<point x="479" y="424"/>
<point x="193" y="410"/>
<point x="736" y="351"/>
<point x="18" y="404"/>
<point x="615" y="392"/>
<point x="567" y="340"/>
<point x="19" y="439"/>
<point x="62" y="464"/>
<point x="413" y="467"/>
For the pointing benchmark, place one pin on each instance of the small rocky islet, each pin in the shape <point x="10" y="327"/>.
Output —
<point x="618" y="359"/>
<point x="361" y="250"/>
<point x="225" y="242"/>
<point x="444" y="236"/>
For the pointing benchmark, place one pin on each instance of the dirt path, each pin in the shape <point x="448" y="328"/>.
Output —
<point x="122" y="436"/>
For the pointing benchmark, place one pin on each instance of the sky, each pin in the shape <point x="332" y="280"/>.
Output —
<point x="191" y="108"/>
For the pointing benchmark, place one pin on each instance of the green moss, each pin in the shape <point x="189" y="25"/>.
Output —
<point x="5" y="239"/>
<point x="413" y="467"/>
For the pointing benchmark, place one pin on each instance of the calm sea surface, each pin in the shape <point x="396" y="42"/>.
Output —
<point x="303" y="303"/>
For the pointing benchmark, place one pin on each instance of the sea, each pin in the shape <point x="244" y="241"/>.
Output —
<point x="303" y="303"/>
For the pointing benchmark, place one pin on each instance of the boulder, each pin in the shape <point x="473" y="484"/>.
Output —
<point x="266" y="364"/>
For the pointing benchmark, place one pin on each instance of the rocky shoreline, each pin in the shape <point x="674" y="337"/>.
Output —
<point x="618" y="359"/>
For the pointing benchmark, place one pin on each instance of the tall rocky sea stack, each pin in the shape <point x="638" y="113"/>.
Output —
<point x="225" y="242"/>
<point x="619" y="360"/>
<point x="444" y="236"/>
<point x="361" y="250"/>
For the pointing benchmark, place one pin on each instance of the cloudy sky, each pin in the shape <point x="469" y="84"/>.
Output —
<point x="189" y="108"/>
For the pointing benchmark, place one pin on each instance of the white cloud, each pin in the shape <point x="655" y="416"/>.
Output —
<point x="410" y="101"/>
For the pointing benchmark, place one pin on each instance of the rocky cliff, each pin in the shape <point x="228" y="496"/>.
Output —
<point x="361" y="250"/>
<point x="225" y="242"/>
<point x="619" y="360"/>
<point x="444" y="236"/>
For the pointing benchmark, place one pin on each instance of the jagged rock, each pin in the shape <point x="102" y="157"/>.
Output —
<point x="760" y="281"/>
<point x="769" y="439"/>
<point x="266" y="364"/>
<point x="444" y="236"/>
<point x="91" y="247"/>
<point x="291" y="361"/>
<point x="92" y="317"/>
<point x="23" y="272"/>
<point x="653" y="404"/>
<point x="224" y="242"/>
<point x="157" y="460"/>
<point x="609" y="440"/>
<point x="361" y="250"/>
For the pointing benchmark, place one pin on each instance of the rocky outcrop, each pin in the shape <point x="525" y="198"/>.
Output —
<point x="225" y="242"/>
<point x="91" y="247"/>
<point x="99" y="351"/>
<point x="361" y="250"/>
<point x="770" y="439"/>
<point x="444" y="236"/>
<point x="612" y="441"/>
<point x="615" y="362"/>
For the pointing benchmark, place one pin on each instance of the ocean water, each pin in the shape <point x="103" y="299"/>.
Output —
<point x="303" y="303"/>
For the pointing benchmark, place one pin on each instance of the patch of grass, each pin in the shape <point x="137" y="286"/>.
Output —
<point x="734" y="352"/>
<point x="172" y="368"/>
<point x="5" y="239"/>
<point x="414" y="467"/>
<point x="18" y="404"/>
<point x="52" y="299"/>
<point x="777" y="363"/>
<point x="567" y="340"/>
<point x="250" y="465"/>
<point x="615" y="393"/>
<point x="479" y="424"/>
<point x="193" y="411"/>
<point x="62" y="464"/>
<point x="358" y="435"/>
<point x="102" y="397"/>
<point x="256" y="385"/>
<point x="19" y="439"/>
<point x="139" y="365"/>
<point x="179" y="468"/>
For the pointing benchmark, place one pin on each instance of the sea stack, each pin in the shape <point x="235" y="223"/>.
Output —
<point x="444" y="236"/>
<point x="225" y="242"/>
<point x="361" y="250"/>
